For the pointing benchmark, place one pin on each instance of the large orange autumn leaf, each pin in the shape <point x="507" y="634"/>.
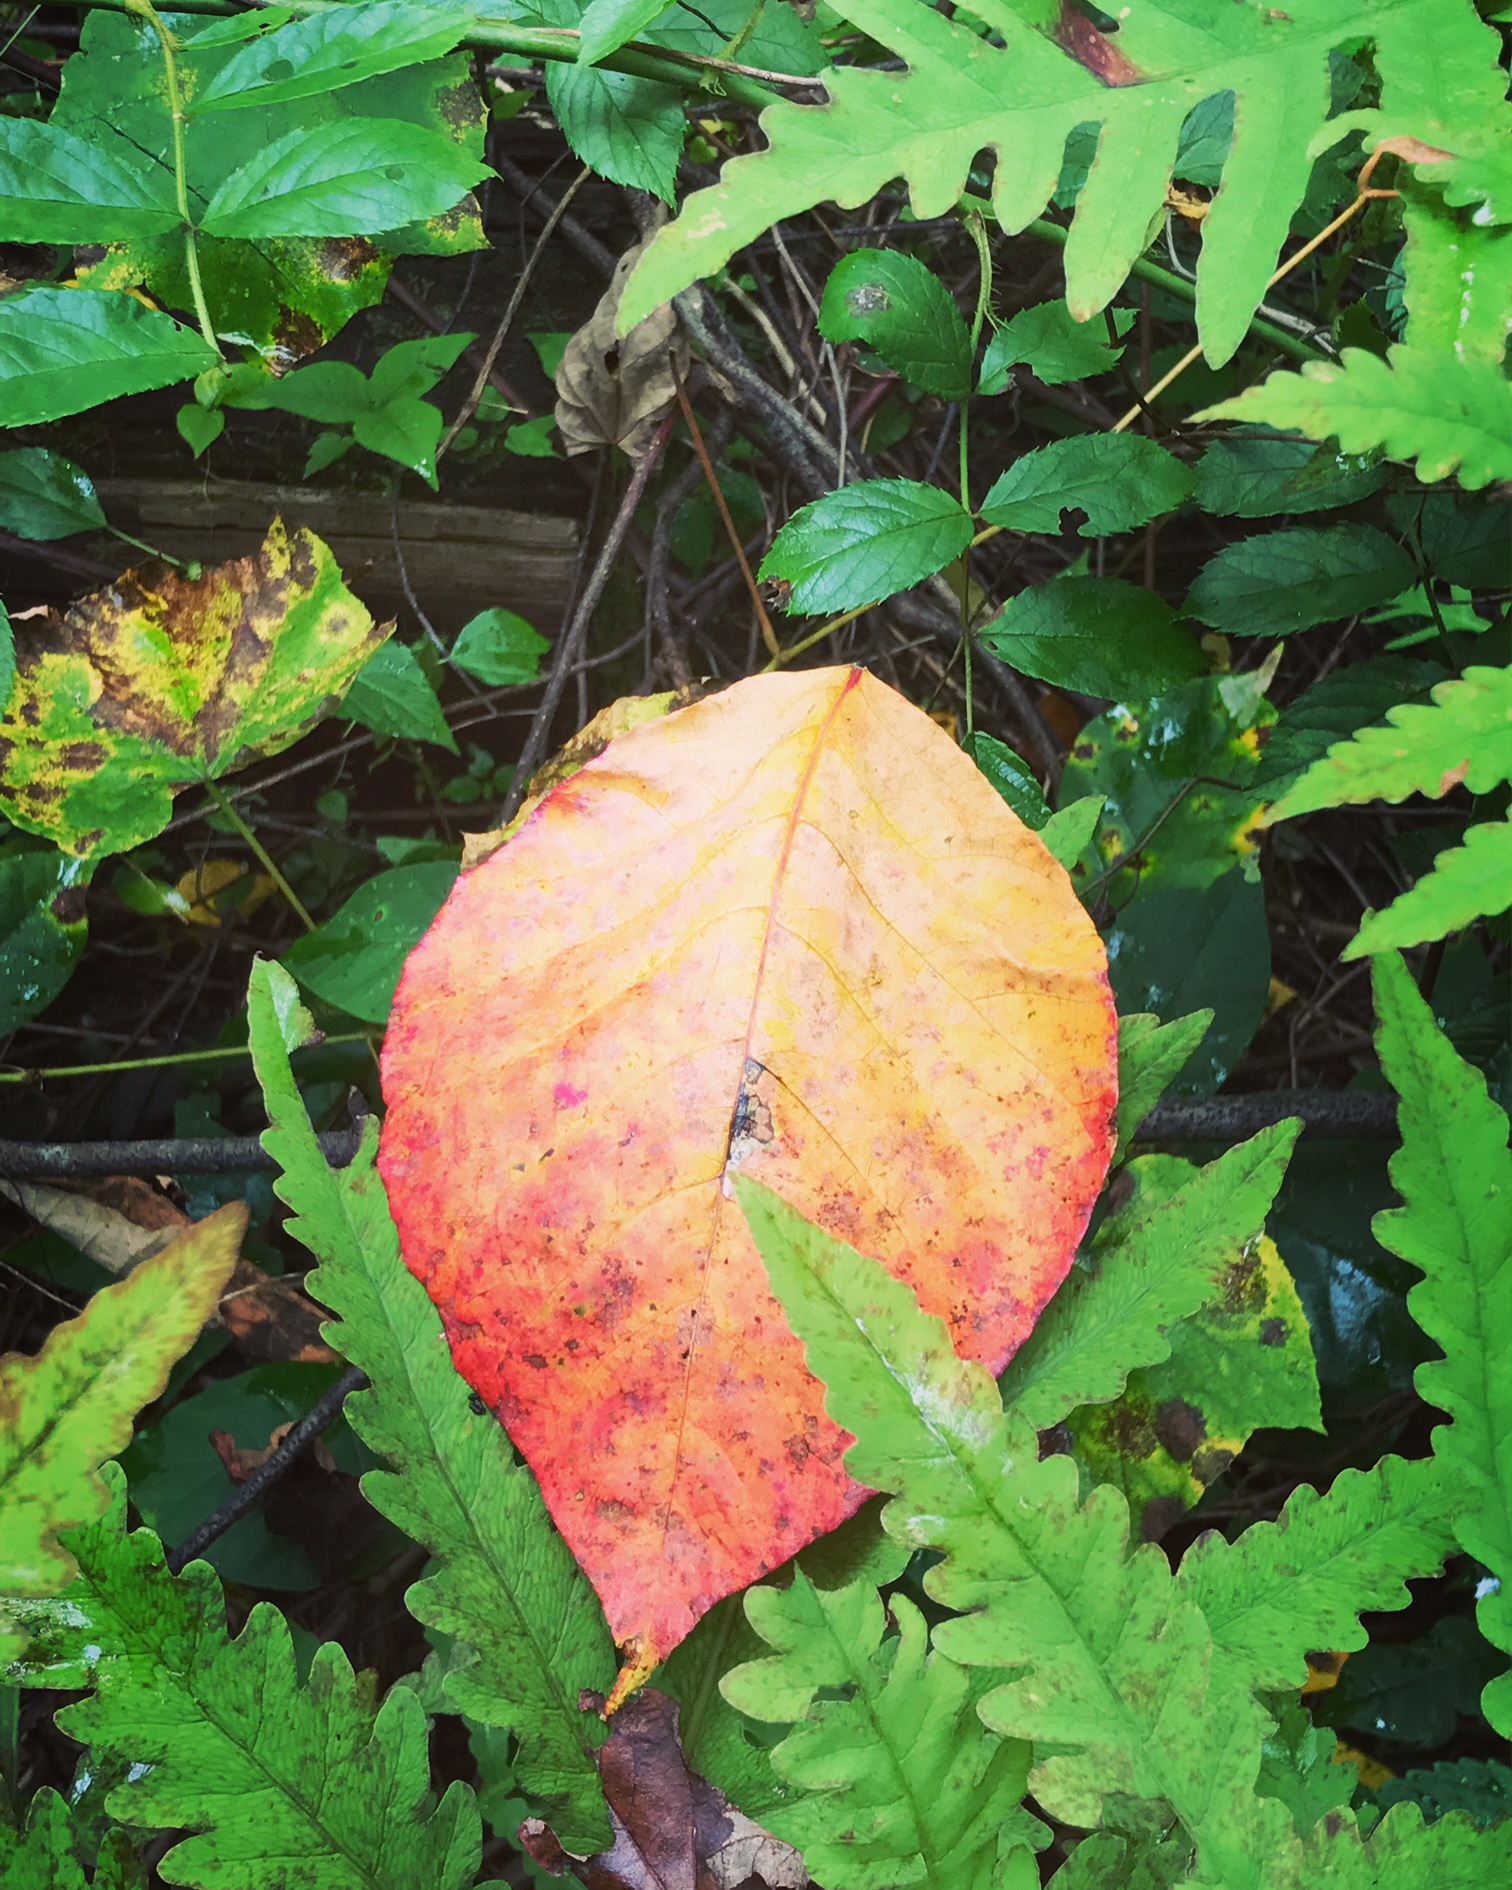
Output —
<point x="792" y="930"/>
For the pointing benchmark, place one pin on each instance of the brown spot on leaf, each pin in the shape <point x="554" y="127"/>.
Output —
<point x="1273" y="1332"/>
<point x="1181" y="1428"/>
<point x="1210" y="1462"/>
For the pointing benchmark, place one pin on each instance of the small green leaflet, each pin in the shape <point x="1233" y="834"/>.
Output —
<point x="1451" y="1172"/>
<point x="1150" y="1056"/>
<point x="354" y="960"/>
<point x="1255" y="476"/>
<point x="1055" y="347"/>
<point x="352" y="177"/>
<point x="1291" y="580"/>
<point x="1151" y="1264"/>
<point x="499" y="648"/>
<point x="1347" y="699"/>
<point x="1101" y="636"/>
<point x="1010" y="776"/>
<point x="45" y="496"/>
<point x="627" y="129"/>
<point x="1069" y="829"/>
<point x="503" y="1582"/>
<point x="62" y="350"/>
<point x="42" y="929"/>
<point x="392" y="695"/>
<point x="865" y="543"/>
<point x="607" y="24"/>
<point x="45" y="1855"/>
<point x="59" y="188"/>
<point x="64" y="1412"/>
<point x="1450" y="416"/>
<point x="897" y="306"/>
<point x="1119" y="480"/>
<point x="894" y="1777"/>
<point x="326" y="51"/>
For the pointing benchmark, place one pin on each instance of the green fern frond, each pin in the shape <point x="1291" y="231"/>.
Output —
<point x="285" y="1786"/>
<point x="1302" y="1581"/>
<point x="898" y="1780"/>
<point x="1465" y="883"/>
<point x="1150" y="1265"/>
<point x="1112" y="1662"/>
<point x="64" y="1412"/>
<point x="1451" y="1172"/>
<point x="1421" y="404"/>
<point x="961" y="95"/>
<point x="506" y="1583"/>
<point x="1461" y="737"/>
<point x="1401" y="1853"/>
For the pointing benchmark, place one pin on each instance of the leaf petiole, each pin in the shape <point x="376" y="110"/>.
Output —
<point x="228" y="807"/>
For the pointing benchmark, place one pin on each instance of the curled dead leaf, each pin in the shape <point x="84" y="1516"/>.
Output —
<point x="616" y="390"/>
<point x="792" y="930"/>
<point x="241" y="1463"/>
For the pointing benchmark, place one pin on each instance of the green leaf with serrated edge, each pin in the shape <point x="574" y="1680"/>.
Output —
<point x="1254" y="476"/>
<point x="45" y="496"/>
<point x="1052" y="345"/>
<point x="1113" y="1659"/>
<point x="499" y="648"/>
<point x="62" y="350"/>
<point x="1449" y="416"/>
<point x="1425" y="748"/>
<point x="329" y="50"/>
<point x="204" y="675"/>
<point x="1099" y="636"/>
<point x="42" y="1856"/>
<point x="1466" y="883"/>
<point x="1150" y="1056"/>
<point x="1284" y="581"/>
<point x="960" y="95"/>
<point x="900" y="309"/>
<point x="354" y="959"/>
<point x="392" y="695"/>
<point x="1348" y="699"/>
<point x="356" y="177"/>
<point x="865" y="543"/>
<point x="1010" y="776"/>
<point x="284" y="1783"/>
<point x="1481" y="1788"/>
<point x="712" y="1734"/>
<point x="900" y="1781"/>
<point x="1069" y="830"/>
<point x="1149" y="1266"/>
<point x="1301" y="1766"/>
<point x="65" y="1411"/>
<point x="627" y="129"/>
<point x="56" y="188"/>
<point x="1451" y="1172"/>
<point x="1243" y="1359"/>
<point x="505" y="1582"/>
<point x="43" y="930"/>
<point x="1119" y="480"/>
<point x="607" y="24"/>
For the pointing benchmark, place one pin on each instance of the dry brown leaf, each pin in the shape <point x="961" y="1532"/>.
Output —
<point x="120" y="1220"/>
<point x="241" y="1463"/>
<point x="616" y="391"/>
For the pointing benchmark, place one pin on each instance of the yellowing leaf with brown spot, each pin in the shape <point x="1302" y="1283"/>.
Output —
<point x="160" y="681"/>
<point x="790" y="930"/>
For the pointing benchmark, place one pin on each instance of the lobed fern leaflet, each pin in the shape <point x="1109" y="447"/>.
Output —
<point x="1451" y="1172"/>
<point x="899" y="1781"/>
<point x="285" y="1786"/>
<point x="1054" y="72"/>
<point x="506" y="1584"/>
